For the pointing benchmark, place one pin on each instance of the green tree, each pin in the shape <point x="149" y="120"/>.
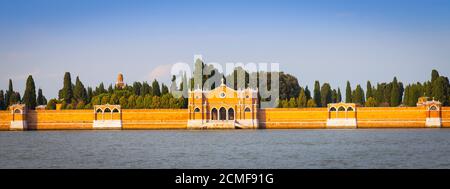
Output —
<point x="371" y="102"/>
<point x="51" y="105"/>
<point x="440" y="89"/>
<point x="339" y="96"/>
<point x="292" y="103"/>
<point x="348" y="93"/>
<point x="395" y="93"/>
<point x="326" y="95"/>
<point x="2" y="101"/>
<point x="66" y="92"/>
<point x="334" y="96"/>
<point x="302" y="100"/>
<point x="164" y="89"/>
<point x="79" y="92"/>
<point x="358" y="95"/>
<point x="317" y="96"/>
<point x="29" y="97"/>
<point x="369" y="92"/>
<point x="307" y="93"/>
<point x="123" y="101"/>
<point x="41" y="100"/>
<point x="311" y="103"/>
<point x="145" y="89"/>
<point x="434" y="75"/>
<point x="9" y="93"/>
<point x="156" y="89"/>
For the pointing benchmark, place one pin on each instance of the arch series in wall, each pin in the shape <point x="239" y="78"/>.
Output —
<point x="19" y="120"/>
<point x="342" y="115"/>
<point x="433" y="113"/>
<point x="107" y="117"/>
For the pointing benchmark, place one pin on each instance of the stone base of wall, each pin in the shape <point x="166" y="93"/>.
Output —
<point x="18" y="126"/>
<point x="433" y="122"/>
<point x="107" y="124"/>
<point x="238" y="124"/>
<point x="341" y="123"/>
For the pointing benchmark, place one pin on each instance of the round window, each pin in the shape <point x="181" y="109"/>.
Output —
<point x="222" y="95"/>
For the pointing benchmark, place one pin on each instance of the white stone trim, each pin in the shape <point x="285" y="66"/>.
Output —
<point x="341" y="123"/>
<point x="107" y="124"/>
<point x="18" y="125"/>
<point x="433" y="122"/>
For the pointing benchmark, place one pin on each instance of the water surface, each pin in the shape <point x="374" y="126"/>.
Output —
<point x="357" y="148"/>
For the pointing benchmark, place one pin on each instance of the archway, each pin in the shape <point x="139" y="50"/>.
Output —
<point x="230" y="114"/>
<point x="98" y="111"/>
<point x="214" y="114"/>
<point x="223" y="114"/>
<point x="247" y="110"/>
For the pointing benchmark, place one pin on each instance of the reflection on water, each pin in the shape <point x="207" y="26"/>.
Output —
<point x="382" y="148"/>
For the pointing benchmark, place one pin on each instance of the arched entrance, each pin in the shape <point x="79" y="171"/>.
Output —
<point x="214" y="114"/>
<point x="223" y="114"/>
<point x="230" y="114"/>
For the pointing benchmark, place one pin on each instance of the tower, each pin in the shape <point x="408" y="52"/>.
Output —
<point x="120" y="84"/>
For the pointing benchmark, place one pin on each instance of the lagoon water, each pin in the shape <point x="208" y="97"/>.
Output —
<point x="359" y="148"/>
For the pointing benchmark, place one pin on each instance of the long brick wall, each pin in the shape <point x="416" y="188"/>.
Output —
<point x="60" y="119"/>
<point x="155" y="119"/>
<point x="5" y="120"/>
<point x="381" y="117"/>
<point x="275" y="118"/>
<point x="293" y="118"/>
<point x="445" y="115"/>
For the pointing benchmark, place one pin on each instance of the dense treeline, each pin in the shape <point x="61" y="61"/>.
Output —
<point x="292" y="95"/>
<point x="137" y="96"/>
<point x="390" y="94"/>
<point x="11" y="97"/>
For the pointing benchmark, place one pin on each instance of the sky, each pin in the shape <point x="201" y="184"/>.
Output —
<point x="327" y="40"/>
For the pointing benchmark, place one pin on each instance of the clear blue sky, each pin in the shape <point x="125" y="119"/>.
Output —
<point x="331" y="41"/>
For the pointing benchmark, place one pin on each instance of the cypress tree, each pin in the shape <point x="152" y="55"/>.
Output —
<point x="307" y="93"/>
<point x="439" y="90"/>
<point x="156" y="89"/>
<point x="317" y="96"/>
<point x="41" y="100"/>
<point x="395" y="93"/>
<point x="334" y="96"/>
<point x="9" y="94"/>
<point x="29" y="97"/>
<point x="348" y="93"/>
<point x="369" y="92"/>
<point x="145" y="89"/>
<point x="2" y="101"/>
<point x="79" y="92"/>
<point x="302" y="100"/>
<point x="67" y="90"/>
<point x="434" y="75"/>
<point x="325" y="95"/>
<point x="339" y="96"/>
<point x="164" y="89"/>
<point x="358" y="95"/>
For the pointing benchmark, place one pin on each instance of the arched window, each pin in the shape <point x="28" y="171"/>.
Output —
<point x="341" y="109"/>
<point x="197" y="110"/>
<point x="17" y="111"/>
<point x="332" y="109"/>
<point x="115" y="110"/>
<point x="230" y="114"/>
<point x="350" y="109"/>
<point x="433" y="108"/>
<point x="214" y="114"/>
<point x="223" y="114"/>
<point x="99" y="110"/>
<point x="107" y="110"/>
<point x="247" y="110"/>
